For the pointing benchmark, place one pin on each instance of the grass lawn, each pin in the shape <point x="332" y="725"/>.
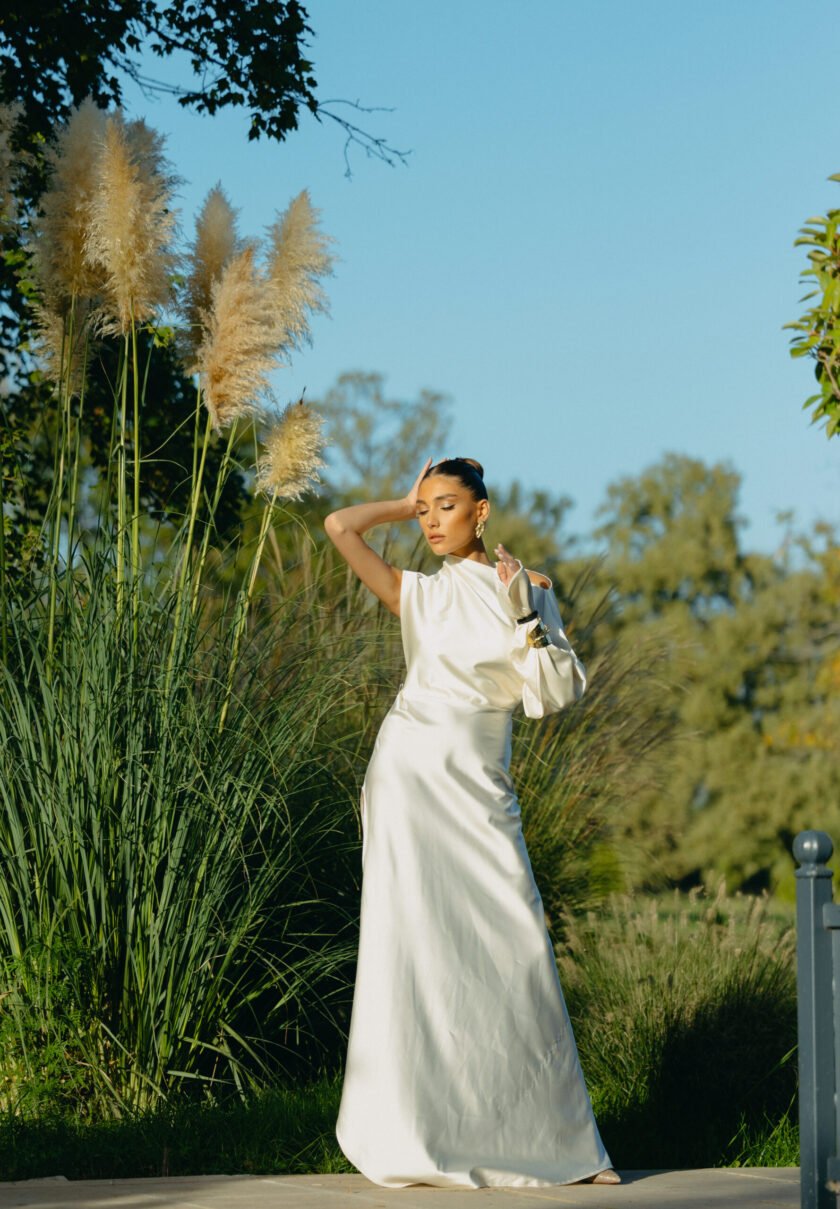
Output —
<point x="279" y="1132"/>
<point x="684" y="1011"/>
<point x="289" y="1131"/>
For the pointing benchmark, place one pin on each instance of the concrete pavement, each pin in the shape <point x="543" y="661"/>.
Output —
<point x="715" y="1188"/>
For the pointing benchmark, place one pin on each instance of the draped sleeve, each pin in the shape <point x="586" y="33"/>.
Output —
<point x="551" y="676"/>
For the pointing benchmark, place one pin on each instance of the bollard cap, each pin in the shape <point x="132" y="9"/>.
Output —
<point x="812" y="848"/>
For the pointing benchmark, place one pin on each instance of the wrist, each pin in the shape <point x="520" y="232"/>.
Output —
<point x="520" y="598"/>
<point x="538" y="635"/>
<point x="386" y="512"/>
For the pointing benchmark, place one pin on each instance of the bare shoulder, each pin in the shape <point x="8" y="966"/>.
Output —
<point x="538" y="579"/>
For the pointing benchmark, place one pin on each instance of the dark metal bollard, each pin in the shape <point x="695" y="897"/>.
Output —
<point x="817" y="1012"/>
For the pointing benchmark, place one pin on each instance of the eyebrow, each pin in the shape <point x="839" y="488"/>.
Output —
<point x="450" y="495"/>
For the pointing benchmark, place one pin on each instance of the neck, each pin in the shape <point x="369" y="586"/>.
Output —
<point x="474" y="551"/>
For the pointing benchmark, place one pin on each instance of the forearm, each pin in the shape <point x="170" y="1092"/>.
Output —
<point x="345" y="529"/>
<point x="358" y="518"/>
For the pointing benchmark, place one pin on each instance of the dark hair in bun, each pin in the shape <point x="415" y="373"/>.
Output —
<point x="467" y="471"/>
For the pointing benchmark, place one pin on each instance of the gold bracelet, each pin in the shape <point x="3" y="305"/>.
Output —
<point x="539" y="635"/>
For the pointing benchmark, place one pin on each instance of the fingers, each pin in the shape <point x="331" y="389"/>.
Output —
<point x="507" y="566"/>
<point x="426" y="466"/>
<point x="412" y="495"/>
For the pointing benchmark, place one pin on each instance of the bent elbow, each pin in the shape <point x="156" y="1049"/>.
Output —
<point x="332" y="526"/>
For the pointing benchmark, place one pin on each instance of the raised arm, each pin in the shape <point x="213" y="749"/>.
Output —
<point x="551" y="673"/>
<point x="345" y="529"/>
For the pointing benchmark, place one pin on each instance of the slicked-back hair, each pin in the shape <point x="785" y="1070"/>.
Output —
<point x="467" y="471"/>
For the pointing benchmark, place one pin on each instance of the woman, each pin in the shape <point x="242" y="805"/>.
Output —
<point x="461" y="1064"/>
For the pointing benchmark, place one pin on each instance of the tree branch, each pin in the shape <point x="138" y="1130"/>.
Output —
<point x="376" y="148"/>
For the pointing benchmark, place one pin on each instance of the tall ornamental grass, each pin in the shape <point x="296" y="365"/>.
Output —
<point x="176" y="873"/>
<point x="685" y="1017"/>
<point x="575" y="770"/>
<point x="176" y="899"/>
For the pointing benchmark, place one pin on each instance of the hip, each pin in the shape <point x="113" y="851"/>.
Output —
<point x="448" y="721"/>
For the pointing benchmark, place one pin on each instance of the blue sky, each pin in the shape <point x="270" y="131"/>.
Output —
<point x="591" y="248"/>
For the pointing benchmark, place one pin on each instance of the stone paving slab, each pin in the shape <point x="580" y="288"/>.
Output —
<point x="715" y="1188"/>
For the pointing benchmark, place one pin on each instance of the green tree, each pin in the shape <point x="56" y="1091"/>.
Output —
<point x="819" y="327"/>
<point x="250" y="55"/>
<point x="751" y="643"/>
<point x="55" y="54"/>
<point x="672" y="534"/>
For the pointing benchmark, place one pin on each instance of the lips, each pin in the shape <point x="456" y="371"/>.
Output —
<point x="437" y="538"/>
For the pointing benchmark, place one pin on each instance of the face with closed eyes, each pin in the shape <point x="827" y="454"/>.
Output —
<point x="448" y="513"/>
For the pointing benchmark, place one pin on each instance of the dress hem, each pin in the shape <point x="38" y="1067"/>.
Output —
<point x="523" y="1181"/>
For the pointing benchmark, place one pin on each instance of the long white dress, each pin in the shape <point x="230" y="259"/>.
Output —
<point x="461" y="1064"/>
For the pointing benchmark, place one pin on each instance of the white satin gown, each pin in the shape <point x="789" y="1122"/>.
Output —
<point x="461" y="1068"/>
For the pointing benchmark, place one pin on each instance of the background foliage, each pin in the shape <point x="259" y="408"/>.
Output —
<point x="180" y="763"/>
<point x="818" y="329"/>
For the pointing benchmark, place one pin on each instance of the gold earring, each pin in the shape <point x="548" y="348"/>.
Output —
<point x="479" y="529"/>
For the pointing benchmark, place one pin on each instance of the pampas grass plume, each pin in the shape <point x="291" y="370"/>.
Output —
<point x="52" y="341"/>
<point x="60" y="232"/>
<point x="292" y="457"/>
<point x="148" y="150"/>
<point x="216" y="243"/>
<point x="299" y="255"/>
<point x="239" y="345"/>
<point x="131" y="225"/>
<point x="58" y="261"/>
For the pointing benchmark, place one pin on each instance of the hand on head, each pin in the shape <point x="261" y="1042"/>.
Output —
<point x="411" y="497"/>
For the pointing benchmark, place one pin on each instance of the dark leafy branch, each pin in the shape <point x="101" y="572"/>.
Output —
<point x="252" y="54"/>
